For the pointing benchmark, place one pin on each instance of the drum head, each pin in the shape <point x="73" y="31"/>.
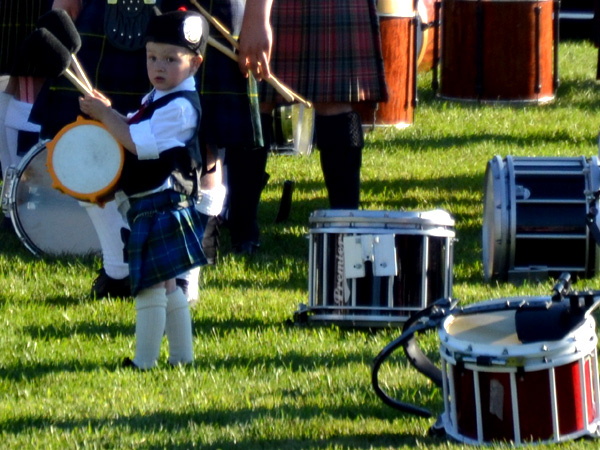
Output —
<point x="494" y="328"/>
<point x="293" y="129"/>
<point x="85" y="161"/>
<point x="47" y="221"/>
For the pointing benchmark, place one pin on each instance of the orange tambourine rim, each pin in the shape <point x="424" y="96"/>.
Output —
<point x="92" y="197"/>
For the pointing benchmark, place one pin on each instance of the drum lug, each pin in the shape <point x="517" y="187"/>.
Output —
<point x="522" y="193"/>
<point x="11" y="175"/>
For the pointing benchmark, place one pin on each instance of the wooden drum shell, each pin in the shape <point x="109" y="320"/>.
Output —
<point x="497" y="50"/>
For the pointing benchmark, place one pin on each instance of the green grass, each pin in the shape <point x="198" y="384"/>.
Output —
<point x="260" y="382"/>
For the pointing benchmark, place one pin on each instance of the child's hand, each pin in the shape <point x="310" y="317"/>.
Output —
<point x="96" y="105"/>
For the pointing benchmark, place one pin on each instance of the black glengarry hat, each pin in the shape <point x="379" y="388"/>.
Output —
<point x="187" y="29"/>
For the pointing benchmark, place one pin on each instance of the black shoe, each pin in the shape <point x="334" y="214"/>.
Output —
<point x="129" y="364"/>
<point x="210" y="240"/>
<point x="104" y="286"/>
<point x="246" y="248"/>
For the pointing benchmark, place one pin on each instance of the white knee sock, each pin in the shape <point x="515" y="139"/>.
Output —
<point x="108" y="222"/>
<point x="151" y="307"/>
<point x="179" y="328"/>
<point x="211" y="200"/>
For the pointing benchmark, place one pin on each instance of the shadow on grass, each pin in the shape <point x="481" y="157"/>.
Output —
<point x="250" y="419"/>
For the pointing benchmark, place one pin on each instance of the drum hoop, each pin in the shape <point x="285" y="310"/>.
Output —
<point x="433" y="232"/>
<point x="12" y="204"/>
<point x="347" y="217"/>
<point x="495" y="264"/>
<point x="570" y="348"/>
<point x="93" y="197"/>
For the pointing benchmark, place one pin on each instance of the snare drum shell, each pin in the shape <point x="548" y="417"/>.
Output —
<point x="534" y="220"/>
<point x="497" y="388"/>
<point x="497" y="50"/>
<point x="411" y="268"/>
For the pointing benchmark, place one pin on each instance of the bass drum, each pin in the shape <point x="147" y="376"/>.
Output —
<point x="534" y="217"/>
<point x="498" y="51"/>
<point x="45" y="220"/>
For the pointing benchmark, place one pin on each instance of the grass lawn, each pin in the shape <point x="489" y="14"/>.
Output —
<point x="259" y="381"/>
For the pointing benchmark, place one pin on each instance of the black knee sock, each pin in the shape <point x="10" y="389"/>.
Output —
<point x="340" y="141"/>
<point x="246" y="178"/>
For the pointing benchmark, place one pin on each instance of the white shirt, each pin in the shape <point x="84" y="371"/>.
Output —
<point x="170" y="126"/>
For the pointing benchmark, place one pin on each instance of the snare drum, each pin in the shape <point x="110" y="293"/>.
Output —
<point x="398" y="26"/>
<point x="498" y="50"/>
<point x="293" y="129"/>
<point x="497" y="388"/>
<point x="46" y="221"/>
<point x="534" y="217"/>
<point x="85" y="161"/>
<point x="376" y="268"/>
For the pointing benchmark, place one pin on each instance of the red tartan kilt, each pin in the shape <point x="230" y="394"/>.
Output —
<point x="327" y="50"/>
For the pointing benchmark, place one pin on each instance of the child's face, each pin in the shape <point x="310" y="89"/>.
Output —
<point x="168" y="65"/>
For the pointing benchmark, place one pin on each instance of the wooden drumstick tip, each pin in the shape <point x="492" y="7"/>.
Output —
<point x="77" y="82"/>
<point x="80" y="72"/>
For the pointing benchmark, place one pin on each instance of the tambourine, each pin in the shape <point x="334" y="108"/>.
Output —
<point x="85" y="161"/>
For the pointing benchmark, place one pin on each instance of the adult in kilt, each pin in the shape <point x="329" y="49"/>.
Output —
<point x="232" y="119"/>
<point x="330" y="53"/>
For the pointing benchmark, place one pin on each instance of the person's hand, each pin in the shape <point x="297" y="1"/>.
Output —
<point x="72" y="7"/>
<point x="256" y="40"/>
<point x="95" y="106"/>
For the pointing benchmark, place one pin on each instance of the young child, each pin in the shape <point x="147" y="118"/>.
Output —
<point x="158" y="183"/>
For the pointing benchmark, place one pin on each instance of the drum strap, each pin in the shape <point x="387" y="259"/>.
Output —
<point x="426" y="319"/>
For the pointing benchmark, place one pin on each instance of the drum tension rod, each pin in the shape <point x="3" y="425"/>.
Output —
<point x="562" y="287"/>
<point x="590" y="218"/>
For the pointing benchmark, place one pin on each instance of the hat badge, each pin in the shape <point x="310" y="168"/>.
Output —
<point x="192" y="29"/>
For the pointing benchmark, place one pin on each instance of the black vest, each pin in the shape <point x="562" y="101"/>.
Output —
<point x="183" y="163"/>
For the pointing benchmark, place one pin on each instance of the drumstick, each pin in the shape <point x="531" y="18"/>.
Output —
<point x="59" y="23"/>
<point x="218" y="25"/>
<point x="282" y="89"/>
<point x="285" y="93"/>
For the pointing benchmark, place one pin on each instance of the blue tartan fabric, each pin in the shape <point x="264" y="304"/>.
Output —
<point x="165" y="240"/>
<point x="327" y="50"/>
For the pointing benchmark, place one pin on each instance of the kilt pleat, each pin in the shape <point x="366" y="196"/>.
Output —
<point x="165" y="240"/>
<point x="327" y="50"/>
